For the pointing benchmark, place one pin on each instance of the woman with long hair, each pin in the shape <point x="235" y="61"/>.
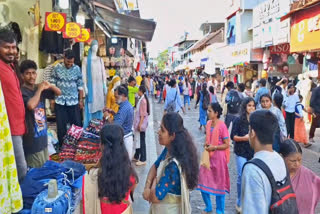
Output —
<point x="140" y="124"/>
<point x="239" y="135"/>
<point x="107" y="187"/>
<point x="305" y="183"/>
<point x="213" y="96"/>
<point x="176" y="170"/>
<point x="214" y="176"/>
<point x="266" y="103"/>
<point x="202" y="110"/>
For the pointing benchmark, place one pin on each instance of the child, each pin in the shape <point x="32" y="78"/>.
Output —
<point x="299" y="126"/>
<point x="35" y="141"/>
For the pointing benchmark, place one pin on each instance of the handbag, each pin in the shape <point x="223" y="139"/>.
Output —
<point x="205" y="159"/>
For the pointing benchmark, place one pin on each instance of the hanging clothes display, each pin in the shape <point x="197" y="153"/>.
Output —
<point x="10" y="193"/>
<point x="30" y="44"/>
<point x="53" y="42"/>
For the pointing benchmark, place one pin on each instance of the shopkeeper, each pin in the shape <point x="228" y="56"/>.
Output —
<point x="13" y="98"/>
<point x="35" y="141"/>
<point x="68" y="78"/>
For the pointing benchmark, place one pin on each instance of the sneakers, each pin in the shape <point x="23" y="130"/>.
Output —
<point x="141" y="163"/>
<point x="134" y="160"/>
<point x="238" y="209"/>
<point x="311" y="140"/>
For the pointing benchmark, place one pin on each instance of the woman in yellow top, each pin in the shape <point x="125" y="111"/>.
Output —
<point x="111" y="100"/>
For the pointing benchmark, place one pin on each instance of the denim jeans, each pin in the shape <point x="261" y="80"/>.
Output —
<point x="229" y="119"/>
<point x="240" y="161"/>
<point x="186" y="100"/>
<point x="160" y="97"/>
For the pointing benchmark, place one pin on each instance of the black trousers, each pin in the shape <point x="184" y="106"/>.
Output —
<point x="141" y="153"/>
<point x="290" y="118"/>
<point x="66" y="115"/>
<point x="314" y="125"/>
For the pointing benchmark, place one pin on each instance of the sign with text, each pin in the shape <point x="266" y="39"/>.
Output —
<point x="55" y="21"/>
<point x="280" y="49"/>
<point x="73" y="30"/>
<point x="85" y="35"/>
<point x="305" y="30"/>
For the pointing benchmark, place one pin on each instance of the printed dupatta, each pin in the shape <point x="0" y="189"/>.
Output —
<point x="212" y="138"/>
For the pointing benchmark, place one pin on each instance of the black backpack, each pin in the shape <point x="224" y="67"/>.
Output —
<point x="234" y="102"/>
<point x="206" y="101"/>
<point x="283" y="198"/>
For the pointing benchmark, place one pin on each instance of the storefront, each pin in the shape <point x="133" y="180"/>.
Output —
<point x="239" y="59"/>
<point x="305" y="34"/>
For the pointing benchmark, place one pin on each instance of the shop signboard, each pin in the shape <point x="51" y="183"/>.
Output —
<point x="73" y="30"/>
<point x="85" y="35"/>
<point x="305" y="30"/>
<point x="240" y="53"/>
<point x="280" y="49"/>
<point x="55" y="21"/>
<point x="267" y="28"/>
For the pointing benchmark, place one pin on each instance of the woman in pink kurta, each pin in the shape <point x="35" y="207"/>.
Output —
<point x="305" y="183"/>
<point x="215" y="179"/>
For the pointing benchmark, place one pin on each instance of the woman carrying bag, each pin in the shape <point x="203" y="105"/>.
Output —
<point x="140" y="124"/>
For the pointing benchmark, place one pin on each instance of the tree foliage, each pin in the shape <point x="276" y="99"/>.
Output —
<point x="162" y="60"/>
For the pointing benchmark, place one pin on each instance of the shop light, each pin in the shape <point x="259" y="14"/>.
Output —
<point x="114" y="40"/>
<point x="64" y="4"/>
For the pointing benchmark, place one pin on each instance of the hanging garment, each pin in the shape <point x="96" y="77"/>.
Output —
<point x="10" y="193"/>
<point x="52" y="42"/>
<point x="14" y="27"/>
<point x="30" y="44"/>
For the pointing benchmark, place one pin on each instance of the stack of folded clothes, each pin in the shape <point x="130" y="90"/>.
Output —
<point x="95" y="126"/>
<point x="88" y="148"/>
<point x="69" y="146"/>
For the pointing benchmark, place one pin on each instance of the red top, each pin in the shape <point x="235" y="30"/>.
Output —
<point x="13" y="99"/>
<point x="111" y="208"/>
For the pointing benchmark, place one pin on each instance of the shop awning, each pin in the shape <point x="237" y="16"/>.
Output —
<point x="296" y="6"/>
<point x="124" y="25"/>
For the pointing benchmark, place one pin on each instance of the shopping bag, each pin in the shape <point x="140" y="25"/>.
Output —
<point x="205" y="159"/>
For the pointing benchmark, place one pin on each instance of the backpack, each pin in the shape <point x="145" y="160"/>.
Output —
<point x="206" y="101"/>
<point x="283" y="198"/>
<point x="172" y="105"/>
<point x="180" y="84"/>
<point x="234" y="102"/>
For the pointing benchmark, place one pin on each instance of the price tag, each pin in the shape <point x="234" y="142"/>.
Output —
<point x="85" y="35"/>
<point x="73" y="30"/>
<point x="55" y="21"/>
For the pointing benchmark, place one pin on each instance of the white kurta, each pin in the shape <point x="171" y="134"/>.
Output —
<point x="98" y="83"/>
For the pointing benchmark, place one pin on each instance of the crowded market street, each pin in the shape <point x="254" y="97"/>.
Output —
<point x="310" y="159"/>
<point x="160" y="106"/>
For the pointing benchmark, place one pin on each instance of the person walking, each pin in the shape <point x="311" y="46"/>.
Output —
<point x="214" y="179"/>
<point x="175" y="172"/>
<point x="13" y="98"/>
<point x="233" y="101"/>
<point x="281" y="132"/>
<point x="68" y="78"/>
<point x="289" y="104"/>
<point x="239" y="135"/>
<point x="315" y="110"/>
<point x="261" y="91"/>
<point x="173" y="101"/>
<point x="305" y="183"/>
<point x="140" y="126"/>
<point x="204" y="99"/>
<point x="132" y="90"/>
<point x="256" y="189"/>
<point x="300" y="132"/>
<point x="108" y="186"/>
<point x="186" y="92"/>
<point x="213" y="96"/>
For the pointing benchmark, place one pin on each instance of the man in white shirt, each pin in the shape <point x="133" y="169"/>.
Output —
<point x="256" y="189"/>
<point x="289" y="104"/>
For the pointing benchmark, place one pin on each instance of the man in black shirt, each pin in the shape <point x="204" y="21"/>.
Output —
<point x="315" y="106"/>
<point x="35" y="140"/>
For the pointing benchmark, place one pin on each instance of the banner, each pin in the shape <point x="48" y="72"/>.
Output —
<point x="85" y="35"/>
<point x="55" y="21"/>
<point x="73" y="30"/>
<point x="305" y="30"/>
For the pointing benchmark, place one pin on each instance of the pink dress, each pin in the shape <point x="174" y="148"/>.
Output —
<point x="216" y="180"/>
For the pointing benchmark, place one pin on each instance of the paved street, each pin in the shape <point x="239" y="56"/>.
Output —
<point x="310" y="160"/>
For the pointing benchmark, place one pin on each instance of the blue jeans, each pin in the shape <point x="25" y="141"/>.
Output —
<point x="186" y="100"/>
<point x="240" y="161"/>
<point x="160" y="97"/>
<point x="220" y="202"/>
